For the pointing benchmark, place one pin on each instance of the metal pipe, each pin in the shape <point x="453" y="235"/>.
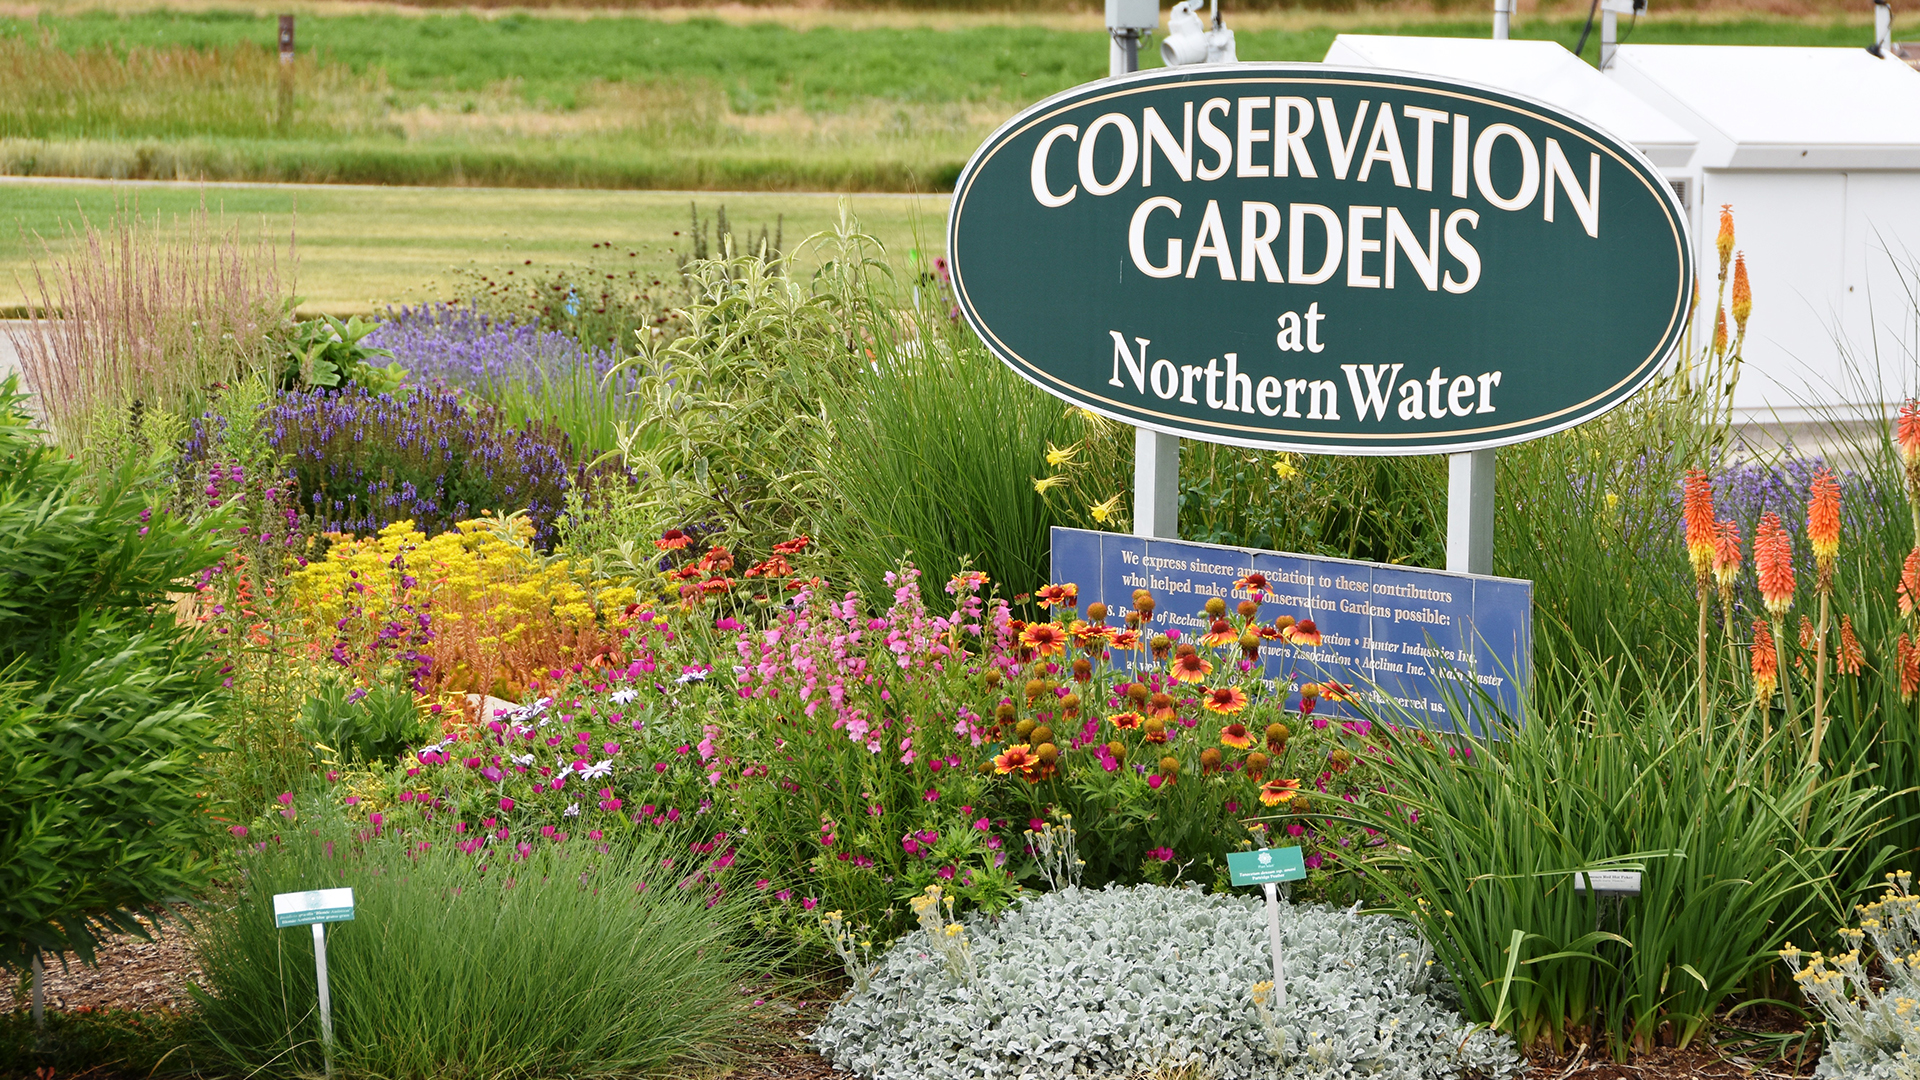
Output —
<point x="1609" y="37"/>
<point x="1502" y="19"/>
<point x="1882" y="28"/>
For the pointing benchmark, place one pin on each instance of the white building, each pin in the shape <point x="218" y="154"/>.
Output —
<point x="1816" y="149"/>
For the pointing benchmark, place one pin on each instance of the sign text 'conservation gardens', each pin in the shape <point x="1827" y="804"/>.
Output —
<point x="1312" y="258"/>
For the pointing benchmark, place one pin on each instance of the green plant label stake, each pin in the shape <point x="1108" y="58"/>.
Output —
<point x="317" y="908"/>
<point x="1268" y="867"/>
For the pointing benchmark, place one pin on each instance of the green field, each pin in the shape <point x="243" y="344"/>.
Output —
<point x="362" y="248"/>
<point x="609" y="101"/>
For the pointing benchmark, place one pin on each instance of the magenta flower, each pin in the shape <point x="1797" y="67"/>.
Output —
<point x="932" y="795"/>
<point x="1161" y="854"/>
<point x="286" y="798"/>
<point x="505" y="804"/>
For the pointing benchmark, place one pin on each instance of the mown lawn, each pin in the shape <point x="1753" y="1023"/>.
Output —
<point x="611" y="101"/>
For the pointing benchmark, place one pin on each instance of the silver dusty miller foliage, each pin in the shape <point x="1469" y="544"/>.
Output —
<point x="1124" y="980"/>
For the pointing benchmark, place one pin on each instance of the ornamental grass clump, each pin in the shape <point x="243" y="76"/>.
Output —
<point x="578" y="959"/>
<point x="1107" y="982"/>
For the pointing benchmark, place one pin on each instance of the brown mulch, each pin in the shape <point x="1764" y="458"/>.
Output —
<point x="131" y="974"/>
<point x="1739" y="1048"/>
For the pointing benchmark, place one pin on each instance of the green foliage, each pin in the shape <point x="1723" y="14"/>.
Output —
<point x="147" y="1042"/>
<point x="372" y="724"/>
<point x="326" y="352"/>
<point x="731" y="424"/>
<point x="603" y="300"/>
<point x="576" y="960"/>
<point x="937" y="447"/>
<point x="1738" y="844"/>
<point x="104" y="701"/>
<point x="680" y="104"/>
<point x="1381" y="509"/>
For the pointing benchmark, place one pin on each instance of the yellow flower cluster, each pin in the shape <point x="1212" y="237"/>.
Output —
<point x="1867" y="1018"/>
<point x="497" y="606"/>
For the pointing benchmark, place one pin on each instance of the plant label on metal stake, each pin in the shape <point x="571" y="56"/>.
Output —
<point x="316" y="908"/>
<point x="1269" y="867"/>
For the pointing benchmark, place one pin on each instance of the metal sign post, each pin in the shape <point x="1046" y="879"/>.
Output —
<point x="1470" y="512"/>
<point x="317" y="908"/>
<point x="1268" y="867"/>
<point x="1156" y="456"/>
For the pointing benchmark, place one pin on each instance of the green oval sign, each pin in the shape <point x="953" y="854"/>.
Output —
<point x="1311" y="258"/>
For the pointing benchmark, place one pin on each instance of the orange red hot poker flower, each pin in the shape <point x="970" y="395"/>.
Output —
<point x="1726" y="555"/>
<point x="1700" y="524"/>
<point x="1910" y="583"/>
<point x="1773" y="561"/>
<point x="1907" y="433"/>
<point x="1823" y="524"/>
<point x="1742" y="293"/>
<point x="1766" y="662"/>
<point x="1851" y="657"/>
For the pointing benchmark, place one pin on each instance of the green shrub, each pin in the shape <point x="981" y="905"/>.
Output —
<point x="1741" y="847"/>
<point x="566" y="960"/>
<point x="104" y="700"/>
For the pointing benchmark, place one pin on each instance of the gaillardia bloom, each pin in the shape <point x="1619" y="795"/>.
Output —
<point x="1124" y="721"/>
<point x="1219" y="633"/>
<point x="673" y="540"/>
<point x="1045" y="639"/>
<point x="1305" y="633"/>
<point x="1058" y="595"/>
<point x="1016" y="759"/>
<point x="1225" y="699"/>
<point x="1236" y="735"/>
<point x="1276" y="791"/>
<point x="1191" y="668"/>
<point x="1090" y="636"/>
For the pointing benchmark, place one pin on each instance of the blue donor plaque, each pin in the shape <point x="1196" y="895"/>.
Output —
<point x="1428" y="642"/>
